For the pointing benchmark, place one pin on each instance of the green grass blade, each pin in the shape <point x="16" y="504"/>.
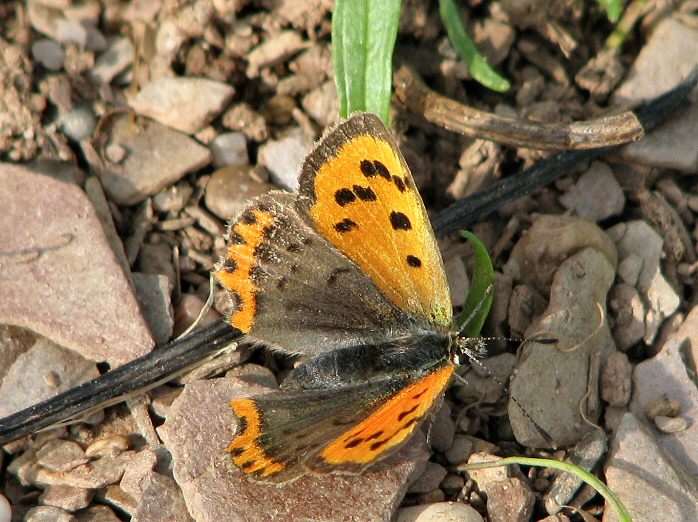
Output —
<point x="477" y="304"/>
<point x="480" y="70"/>
<point x="612" y="8"/>
<point x="593" y="481"/>
<point x="363" y="39"/>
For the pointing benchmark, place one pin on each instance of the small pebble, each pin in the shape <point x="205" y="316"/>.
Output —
<point x="79" y="123"/>
<point x="108" y="446"/>
<point x="616" y="380"/>
<point x="663" y="406"/>
<point x="230" y="149"/>
<point x="441" y="511"/>
<point x="670" y="424"/>
<point x="5" y="509"/>
<point x="49" y="54"/>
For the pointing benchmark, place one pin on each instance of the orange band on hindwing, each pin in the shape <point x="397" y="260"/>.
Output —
<point x="235" y="271"/>
<point x="245" y="450"/>
<point x="389" y="425"/>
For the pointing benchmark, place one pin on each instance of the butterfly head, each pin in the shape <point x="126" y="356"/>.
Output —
<point x="464" y="349"/>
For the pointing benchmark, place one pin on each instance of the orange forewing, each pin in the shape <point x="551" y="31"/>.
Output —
<point x="387" y="427"/>
<point x="235" y="270"/>
<point x="364" y="202"/>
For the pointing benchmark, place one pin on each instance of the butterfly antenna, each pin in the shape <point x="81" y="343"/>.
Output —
<point x="476" y="310"/>
<point x="474" y="347"/>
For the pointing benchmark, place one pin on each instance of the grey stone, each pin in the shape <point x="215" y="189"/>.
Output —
<point x="188" y="311"/>
<point x="525" y="304"/>
<point x="156" y="258"/>
<point x="161" y="399"/>
<point x="157" y="157"/>
<point x="61" y="455"/>
<point x="510" y="500"/>
<point x="42" y="372"/>
<point x="441" y="512"/>
<point x="664" y="61"/>
<point x="283" y="158"/>
<point x="628" y="310"/>
<point x="650" y="383"/>
<point x="185" y="104"/>
<point x="153" y="291"/>
<point x="551" y="240"/>
<point x="66" y="497"/>
<point x="112" y="446"/>
<point x="115" y="60"/>
<point x="79" y="123"/>
<point x="460" y="450"/>
<point x="160" y="499"/>
<point x="322" y="104"/>
<point x="596" y="195"/>
<point x="429" y="480"/>
<point x="487" y="476"/>
<point x="173" y="198"/>
<point x="48" y="514"/>
<point x="230" y="149"/>
<point x="485" y="382"/>
<point x="97" y="514"/>
<point x="49" y="54"/>
<point x="230" y="190"/>
<point x="553" y="380"/>
<point x="646" y="480"/>
<point x="640" y="245"/>
<point x="81" y="302"/>
<point x="670" y="424"/>
<point x="443" y="429"/>
<point x="586" y="455"/>
<point x="254" y="374"/>
<point x="92" y="475"/>
<point x="616" y="380"/>
<point x="275" y="49"/>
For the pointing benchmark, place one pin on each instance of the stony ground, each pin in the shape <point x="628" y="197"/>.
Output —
<point x="131" y="131"/>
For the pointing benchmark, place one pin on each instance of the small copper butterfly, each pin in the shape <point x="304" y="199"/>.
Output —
<point x="348" y="273"/>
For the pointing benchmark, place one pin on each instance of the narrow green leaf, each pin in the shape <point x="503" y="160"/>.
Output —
<point x="592" y="480"/>
<point x="612" y="8"/>
<point x="477" y="64"/>
<point x="363" y="39"/>
<point x="477" y="304"/>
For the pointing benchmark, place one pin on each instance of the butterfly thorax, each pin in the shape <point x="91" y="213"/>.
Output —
<point x="411" y="356"/>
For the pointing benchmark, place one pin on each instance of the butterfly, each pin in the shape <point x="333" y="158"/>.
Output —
<point x="347" y="273"/>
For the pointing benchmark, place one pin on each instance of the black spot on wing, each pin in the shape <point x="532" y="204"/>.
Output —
<point x="364" y="193"/>
<point x="400" y="221"/>
<point x="344" y="196"/>
<point x="242" y="425"/>
<point x="346" y="225"/>
<point x="399" y="183"/>
<point x="235" y="239"/>
<point x="414" y="261"/>
<point x="404" y="414"/>
<point x="368" y="169"/>
<point x="382" y="170"/>
<point x="247" y="465"/>
<point x="353" y="443"/>
<point x="379" y="444"/>
<point x="230" y="265"/>
<point x="248" y="217"/>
